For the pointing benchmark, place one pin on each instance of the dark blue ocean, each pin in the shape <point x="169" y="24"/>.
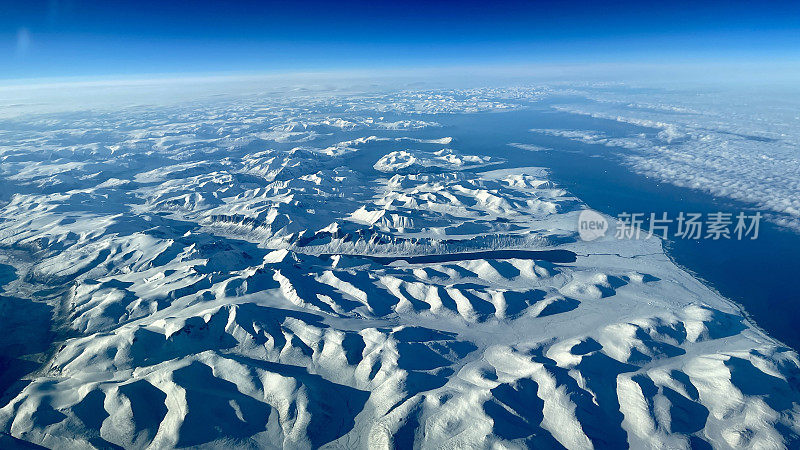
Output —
<point x="760" y="275"/>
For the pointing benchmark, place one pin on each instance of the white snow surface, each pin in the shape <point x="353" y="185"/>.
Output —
<point x="209" y="258"/>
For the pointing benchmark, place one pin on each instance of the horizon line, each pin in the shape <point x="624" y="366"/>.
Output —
<point x="492" y="70"/>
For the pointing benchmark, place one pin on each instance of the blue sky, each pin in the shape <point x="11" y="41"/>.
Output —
<point x="52" y="38"/>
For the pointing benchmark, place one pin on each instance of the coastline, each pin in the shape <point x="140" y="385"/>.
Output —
<point x="598" y="176"/>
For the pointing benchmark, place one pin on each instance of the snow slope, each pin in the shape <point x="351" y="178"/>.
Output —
<point x="210" y="260"/>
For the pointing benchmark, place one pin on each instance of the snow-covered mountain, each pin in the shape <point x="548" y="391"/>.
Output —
<point x="246" y="273"/>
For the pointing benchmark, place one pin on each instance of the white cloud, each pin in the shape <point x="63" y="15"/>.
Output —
<point x="733" y="144"/>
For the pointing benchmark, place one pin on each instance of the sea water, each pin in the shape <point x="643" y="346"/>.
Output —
<point x="757" y="274"/>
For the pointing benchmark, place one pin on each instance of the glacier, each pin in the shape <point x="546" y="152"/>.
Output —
<point x="238" y="271"/>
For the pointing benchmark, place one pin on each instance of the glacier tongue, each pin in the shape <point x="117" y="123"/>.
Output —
<point x="219" y="285"/>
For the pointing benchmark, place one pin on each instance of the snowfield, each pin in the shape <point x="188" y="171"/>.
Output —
<point x="208" y="267"/>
